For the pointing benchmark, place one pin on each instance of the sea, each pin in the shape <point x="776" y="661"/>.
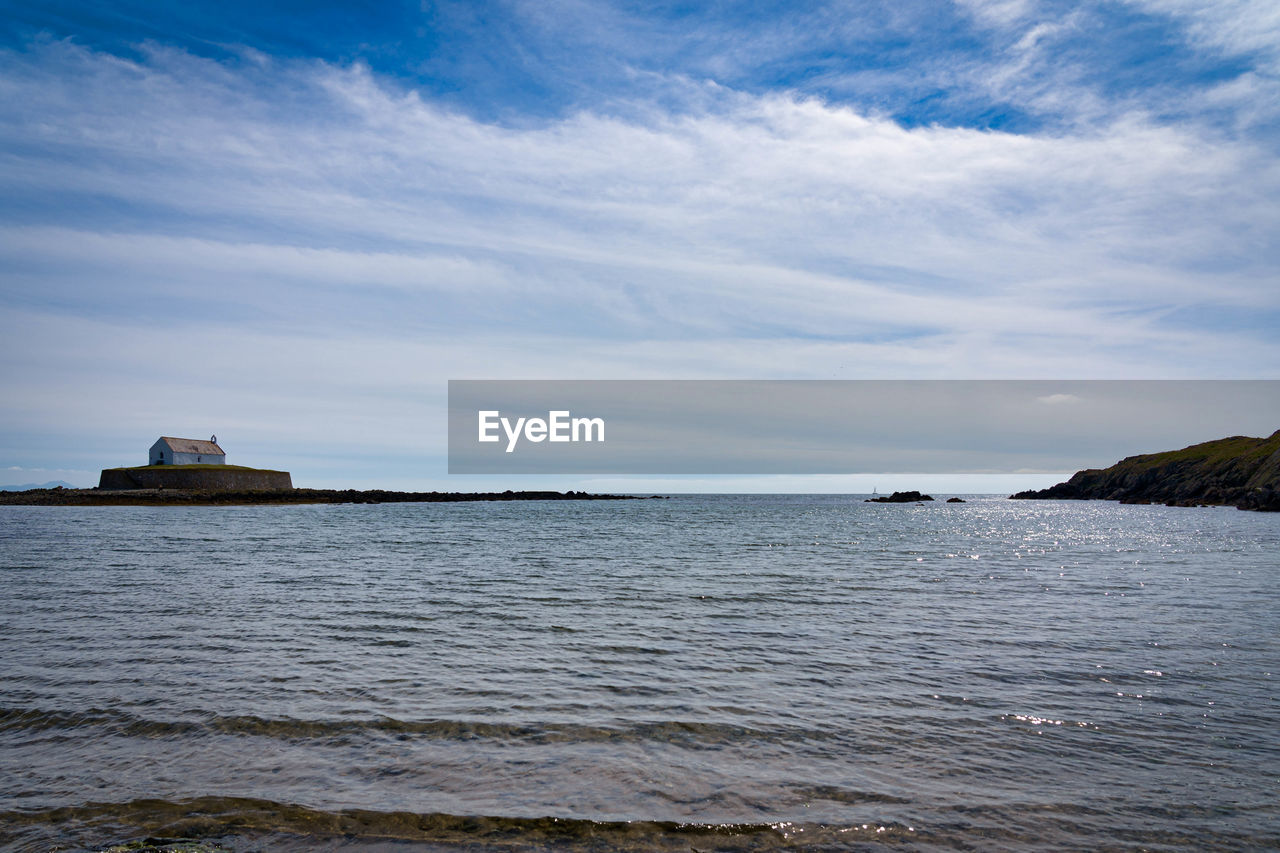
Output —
<point x="697" y="673"/>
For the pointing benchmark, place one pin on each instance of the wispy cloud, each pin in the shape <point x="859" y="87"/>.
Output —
<point x="1231" y="26"/>
<point x="768" y="213"/>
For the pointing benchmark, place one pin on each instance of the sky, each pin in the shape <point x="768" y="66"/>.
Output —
<point x="290" y="224"/>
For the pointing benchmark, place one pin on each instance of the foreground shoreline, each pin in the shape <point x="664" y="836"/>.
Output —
<point x="253" y="497"/>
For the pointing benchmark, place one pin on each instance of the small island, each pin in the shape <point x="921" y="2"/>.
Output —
<point x="1240" y="471"/>
<point x="242" y="497"/>
<point x="900" y="498"/>
<point x="193" y="472"/>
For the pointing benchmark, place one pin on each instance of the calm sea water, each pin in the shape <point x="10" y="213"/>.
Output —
<point x="705" y="673"/>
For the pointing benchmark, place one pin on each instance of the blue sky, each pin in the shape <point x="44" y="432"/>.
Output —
<point x="290" y="226"/>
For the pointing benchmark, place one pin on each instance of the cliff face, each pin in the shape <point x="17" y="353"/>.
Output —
<point x="1238" y="471"/>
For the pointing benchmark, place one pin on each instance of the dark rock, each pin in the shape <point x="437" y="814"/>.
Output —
<point x="955" y="500"/>
<point x="900" y="498"/>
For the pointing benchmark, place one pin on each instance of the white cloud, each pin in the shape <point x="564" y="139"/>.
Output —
<point x="740" y="184"/>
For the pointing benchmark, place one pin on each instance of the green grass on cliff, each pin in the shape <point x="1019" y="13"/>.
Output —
<point x="1238" y="448"/>
<point x="194" y="468"/>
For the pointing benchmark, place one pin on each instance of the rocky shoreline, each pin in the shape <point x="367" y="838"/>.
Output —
<point x="1239" y="471"/>
<point x="245" y="497"/>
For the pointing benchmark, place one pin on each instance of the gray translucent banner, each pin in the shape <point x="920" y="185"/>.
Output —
<point x="838" y="426"/>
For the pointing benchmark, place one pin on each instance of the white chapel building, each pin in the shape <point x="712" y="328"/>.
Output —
<point x="187" y="451"/>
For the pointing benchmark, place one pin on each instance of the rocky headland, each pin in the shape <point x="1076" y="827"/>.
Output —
<point x="1239" y="471"/>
